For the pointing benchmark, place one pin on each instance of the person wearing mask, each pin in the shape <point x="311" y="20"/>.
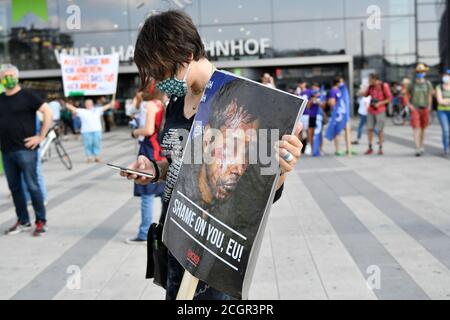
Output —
<point x="19" y="144"/>
<point x="151" y="117"/>
<point x="381" y="96"/>
<point x="421" y="98"/>
<point x="182" y="71"/>
<point x="91" y="127"/>
<point x="443" y="98"/>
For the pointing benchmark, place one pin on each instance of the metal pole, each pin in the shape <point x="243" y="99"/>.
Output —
<point x="351" y="81"/>
<point x="362" y="46"/>
<point x="416" y="28"/>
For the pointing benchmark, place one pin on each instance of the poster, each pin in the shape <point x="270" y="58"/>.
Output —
<point x="226" y="185"/>
<point x="89" y="75"/>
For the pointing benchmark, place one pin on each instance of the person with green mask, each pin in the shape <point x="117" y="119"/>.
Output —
<point x="421" y="98"/>
<point x="18" y="144"/>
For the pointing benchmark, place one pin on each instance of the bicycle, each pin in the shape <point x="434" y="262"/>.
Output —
<point x="401" y="115"/>
<point x="53" y="137"/>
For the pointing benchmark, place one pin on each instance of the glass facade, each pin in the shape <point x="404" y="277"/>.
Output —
<point x="385" y="35"/>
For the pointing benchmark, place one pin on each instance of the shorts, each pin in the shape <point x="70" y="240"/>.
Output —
<point x="305" y="122"/>
<point x="376" y="121"/>
<point x="312" y="122"/>
<point x="420" y="118"/>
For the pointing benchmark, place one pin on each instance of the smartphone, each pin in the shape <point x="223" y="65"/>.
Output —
<point x="131" y="171"/>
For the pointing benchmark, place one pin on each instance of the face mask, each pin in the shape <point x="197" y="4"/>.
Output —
<point x="9" y="82"/>
<point x="420" y="76"/>
<point x="446" y="79"/>
<point x="173" y="86"/>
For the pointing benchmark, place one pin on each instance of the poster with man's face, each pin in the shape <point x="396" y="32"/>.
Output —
<point x="227" y="180"/>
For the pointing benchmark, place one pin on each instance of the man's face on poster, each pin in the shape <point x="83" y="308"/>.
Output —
<point x="229" y="150"/>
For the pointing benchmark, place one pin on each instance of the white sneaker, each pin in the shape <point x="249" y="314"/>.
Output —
<point x="308" y="150"/>
<point x="18" y="228"/>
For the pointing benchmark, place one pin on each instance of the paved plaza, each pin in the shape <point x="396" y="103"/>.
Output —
<point x="364" y="227"/>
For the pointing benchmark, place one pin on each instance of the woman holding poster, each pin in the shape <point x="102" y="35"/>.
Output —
<point x="151" y="118"/>
<point x="170" y="50"/>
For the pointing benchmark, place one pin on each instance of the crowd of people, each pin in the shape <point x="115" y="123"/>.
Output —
<point x="376" y="101"/>
<point x="173" y="79"/>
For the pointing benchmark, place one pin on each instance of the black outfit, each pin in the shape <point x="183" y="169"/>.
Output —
<point x="312" y="122"/>
<point x="173" y="139"/>
<point x="18" y="119"/>
<point x="18" y="122"/>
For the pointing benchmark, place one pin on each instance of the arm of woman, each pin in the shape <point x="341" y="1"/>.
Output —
<point x="144" y="164"/>
<point x="149" y="128"/>
<point x="440" y="98"/>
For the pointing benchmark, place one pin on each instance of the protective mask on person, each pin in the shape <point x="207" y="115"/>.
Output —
<point x="420" y="76"/>
<point x="9" y="82"/>
<point x="446" y="79"/>
<point x="173" y="86"/>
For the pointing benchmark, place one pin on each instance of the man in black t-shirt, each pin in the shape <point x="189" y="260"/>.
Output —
<point x="18" y="144"/>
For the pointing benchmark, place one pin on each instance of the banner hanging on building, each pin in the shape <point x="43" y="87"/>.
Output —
<point x="226" y="185"/>
<point x="89" y="75"/>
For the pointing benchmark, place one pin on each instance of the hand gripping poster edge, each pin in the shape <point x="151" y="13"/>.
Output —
<point x="189" y="283"/>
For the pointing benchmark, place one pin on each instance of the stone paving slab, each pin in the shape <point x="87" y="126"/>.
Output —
<point x="338" y="218"/>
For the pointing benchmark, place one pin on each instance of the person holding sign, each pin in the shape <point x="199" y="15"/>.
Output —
<point x="170" y="50"/>
<point x="91" y="127"/>
<point x="151" y="118"/>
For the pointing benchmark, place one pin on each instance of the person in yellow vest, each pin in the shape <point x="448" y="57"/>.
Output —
<point x="443" y="98"/>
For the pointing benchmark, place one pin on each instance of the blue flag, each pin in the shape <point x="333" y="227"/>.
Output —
<point x="340" y="115"/>
<point x="323" y="94"/>
<point x="318" y="133"/>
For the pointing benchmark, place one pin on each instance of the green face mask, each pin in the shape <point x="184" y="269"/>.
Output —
<point x="9" y="82"/>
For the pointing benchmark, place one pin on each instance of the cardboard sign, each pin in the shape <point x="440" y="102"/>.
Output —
<point x="90" y="75"/>
<point x="226" y="185"/>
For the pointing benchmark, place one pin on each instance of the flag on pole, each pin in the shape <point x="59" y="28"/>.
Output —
<point x="340" y="115"/>
<point x="318" y="133"/>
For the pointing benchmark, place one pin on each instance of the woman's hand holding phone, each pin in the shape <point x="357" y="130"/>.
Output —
<point x="142" y="164"/>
